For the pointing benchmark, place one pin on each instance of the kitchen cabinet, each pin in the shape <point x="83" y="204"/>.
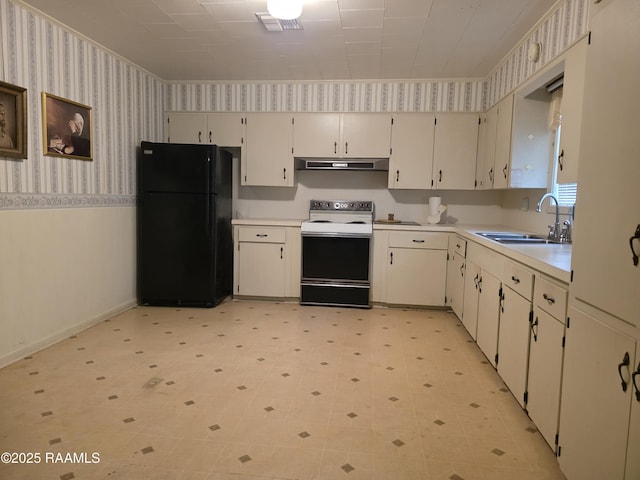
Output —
<point x="456" y="274"/>
<point x="267" y="261"/>
<point x="597" y="437"/>
<point x="267" y="156"/>
<point x="546" y="356"/>
<point x="483" y="181"/>
<point x="513" y="337"/>
<point x="575" y="60"/>
<point x="471" y="294"/>
<point x="411" y="159"/>
<point x="223" y="129"/>
<point x="489" y="127"/>
<point x="455" y="151"/>
<point x="416" y="268"/>
<point x="343" y="135"/>
<point x="502" y="142"/>
<point x="607" y="222"/>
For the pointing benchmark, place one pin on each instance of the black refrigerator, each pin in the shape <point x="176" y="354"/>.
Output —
<point x="184" y="236"/>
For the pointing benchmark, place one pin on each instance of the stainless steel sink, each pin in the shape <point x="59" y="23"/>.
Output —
<point x="516" y="238"/>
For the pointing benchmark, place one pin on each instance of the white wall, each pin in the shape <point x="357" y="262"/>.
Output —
<point x="62" y="270"/>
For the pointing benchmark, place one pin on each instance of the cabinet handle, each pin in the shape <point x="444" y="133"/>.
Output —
<point x="397" y="175"/>
<point x="417" y="241"/>
<point x="625" y="363"/>
<point x="635" y="385"/>
<point x="636" y="236"/>
<point x="561" y="160"/>
<point x="346" y="147"/>
<point x="210" y="136"/>
<point x="284" y="173"/>
<point x="335" y="148"/>
<point x="534" y="329"/>
<point x="262" y="235"/>
<point x="199" y="137"/>
<point x="491" y="175"/>
<point x="391" y="255"/>
<point x="440" y="176"/>
<point x="504" y="170"/>
<point x="501" y="296"/>
<point x="281" y="253"/>
<point x="479" y="283"/>
<point x="462" y="270"/>
<point x="476" y="280"/>
<point x="549" y="298"/>
<point x="515" y="279"/>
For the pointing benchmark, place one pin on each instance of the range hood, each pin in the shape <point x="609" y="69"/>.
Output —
<point x="367" y="164"/>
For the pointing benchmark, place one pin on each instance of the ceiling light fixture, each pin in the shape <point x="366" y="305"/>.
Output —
<point x="285" y="9"/>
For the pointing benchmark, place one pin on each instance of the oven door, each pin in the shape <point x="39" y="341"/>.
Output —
<point x="335" y="269"/>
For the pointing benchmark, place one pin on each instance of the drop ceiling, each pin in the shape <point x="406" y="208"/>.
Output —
<point x="222" y="40"/>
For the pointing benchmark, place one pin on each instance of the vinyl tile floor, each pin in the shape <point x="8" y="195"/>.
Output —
<point x="263" y="390"/>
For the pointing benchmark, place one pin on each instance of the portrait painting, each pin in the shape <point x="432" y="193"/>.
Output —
<point x="66" y="128"/>
<point x="13" y="121"/>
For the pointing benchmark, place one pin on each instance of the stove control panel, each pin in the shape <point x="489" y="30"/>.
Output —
<point x="345" y="206"/>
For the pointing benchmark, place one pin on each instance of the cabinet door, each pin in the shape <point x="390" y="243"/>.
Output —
<point x="490" y="132"/>
<point x="316" y="134"/>
<point x="471" y="293"/>
<point x="572" y="99"/>
<point x="267" y="158"/>
<point x="594" y="414"/>
<point x="489" y="300"/>
<point x="455" y="151"/>
<point x="502" y="156"/>
<point x="411" y="159"/>
<point x="416" y="276"/>
<point x="513" y="343"/>
<point x="366" y="135"/>
<point x="481" y="159"/>
<point x="608" y="211"/>
<point x="225" y="129"/>
<point x="455" y="282"/>
<point x="261" y="269"/>
<point x="545" y="373"/>
<point x="186" y="127"/>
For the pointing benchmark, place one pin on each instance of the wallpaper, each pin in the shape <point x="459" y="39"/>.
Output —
<point x="127" y="105"/>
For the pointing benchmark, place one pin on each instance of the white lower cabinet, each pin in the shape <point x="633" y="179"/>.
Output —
<point x="266" y="259"/>
<point x="416" y="268"/>
<point x="600" y="411"/>
<point x="489" y="300"/>
<point x="455" y="276"/>
<point x="471" y="293"/>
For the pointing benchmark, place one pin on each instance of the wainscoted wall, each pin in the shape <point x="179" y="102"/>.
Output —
<point x="67" y="247"/>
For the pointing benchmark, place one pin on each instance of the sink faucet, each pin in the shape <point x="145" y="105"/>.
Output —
<point x="554" y="230"/>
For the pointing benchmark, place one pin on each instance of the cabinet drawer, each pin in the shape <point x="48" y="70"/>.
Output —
<point x="519" y="279"/>
<point x="429" y="240"/>
<point x="262" y="234"/>
<point x="459" y="246"/>
<point x="551" y="298"/>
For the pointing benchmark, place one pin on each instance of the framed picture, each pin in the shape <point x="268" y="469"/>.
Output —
<point x="13" y="121"/>
<point x="66" y="128"/>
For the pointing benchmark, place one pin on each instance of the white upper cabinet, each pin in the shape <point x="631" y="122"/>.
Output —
<point x="411" y="159"/>
<point x="224" y="129"/>
<point x="267" y="156"/>
<point x="342" y="135"/>
<point x="316" y="135"/>
<point x="502" y="142"/>
<point x="455" y="151"/>
<point x="571" y="109"/>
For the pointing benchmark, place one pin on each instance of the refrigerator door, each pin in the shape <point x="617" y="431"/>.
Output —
<point x="178" y="168"/>
<point x="175" y="249"/>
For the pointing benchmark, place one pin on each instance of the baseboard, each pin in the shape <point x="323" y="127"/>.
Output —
<point x="58" y="336"/>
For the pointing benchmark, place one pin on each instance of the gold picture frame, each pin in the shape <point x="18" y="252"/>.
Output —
<point x="67" y="128"/>
<point x="13" y="121"/>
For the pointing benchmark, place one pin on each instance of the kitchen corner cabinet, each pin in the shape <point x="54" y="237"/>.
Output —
<point x="416" y="268"/>
<point x="411" y="160"/>
<point x="455" y="151"/>
<point x="223" y="129"/>
<point x="599" y="418"/>
<point x="342" y="135"/>
<point x="266" y="261"/>
<point x="571" y="108"/>
<point x="501" y="127"/>
<point x="456" y="274"/>
<point x="267" y="156"/>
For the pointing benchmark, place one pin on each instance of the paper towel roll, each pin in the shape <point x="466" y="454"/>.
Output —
<point x="434" y="205"/>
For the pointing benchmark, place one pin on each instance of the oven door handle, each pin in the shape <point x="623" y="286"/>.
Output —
<point x="336" y="235"/>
